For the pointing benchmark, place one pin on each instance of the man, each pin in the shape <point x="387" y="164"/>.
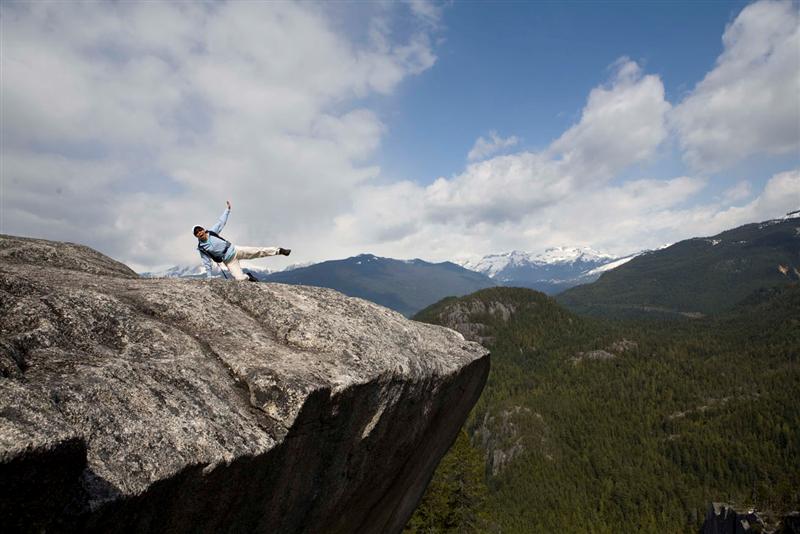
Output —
<point x="215" y="247"/>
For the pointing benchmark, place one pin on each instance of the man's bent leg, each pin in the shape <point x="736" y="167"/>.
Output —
<point x="249" y="253"/>
<point x="235" y="269"/>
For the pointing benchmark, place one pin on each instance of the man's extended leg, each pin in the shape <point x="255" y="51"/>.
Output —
<point x="235" y="269"/>
<point x="249" y="253"/>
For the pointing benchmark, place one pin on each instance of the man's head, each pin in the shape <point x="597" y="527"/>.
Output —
<point x="200" y="233"/>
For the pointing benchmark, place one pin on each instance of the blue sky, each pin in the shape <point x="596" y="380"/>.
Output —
<point x="444" y="131"/>
<point x="525" y="68"/>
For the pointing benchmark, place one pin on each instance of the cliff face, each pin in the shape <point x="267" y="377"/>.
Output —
<point x="213" y="406"/>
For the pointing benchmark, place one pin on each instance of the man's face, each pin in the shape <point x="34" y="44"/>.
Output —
<point x="201" y="234"/>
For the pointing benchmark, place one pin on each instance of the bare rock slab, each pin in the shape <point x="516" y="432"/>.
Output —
<point x="169" y="405"/>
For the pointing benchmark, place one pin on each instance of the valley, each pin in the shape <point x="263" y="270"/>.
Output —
<point x="674" y="415"/>
<point x="632" y="403"/>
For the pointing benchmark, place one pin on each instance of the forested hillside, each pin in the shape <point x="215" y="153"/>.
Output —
<point x="588" y="425"/>
<point x="695" y="276"/>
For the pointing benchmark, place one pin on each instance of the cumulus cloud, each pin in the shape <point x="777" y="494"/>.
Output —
<point x="651" y="213"/>
<point x="564" y="194"/>
<point x="428" y="11"/>
<point x="126" y="123"/>
<point x="123" y="121"/>
<point x="750" y="102"/>
<point x="618" y="219"/>
<point x="739" y="191"/>
<point x="622" y="123"/>
<point x="530" y="200"/>
<point x="486" y="147"/>
<point x="780" y="195"/>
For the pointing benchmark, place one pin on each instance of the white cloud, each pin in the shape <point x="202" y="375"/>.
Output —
<point x="147" y="116"/>
<point x="750" y="102"/>
<point x="737" y="192"/>
<point x="566" y="194"/>
<point x="510" y="196"/>
<point x="562" y="195"/>
<point x="59" y="196"/>
<point x="622" y="124"/>
<point x="126" y="123"/>
<point x="780" y="195"/>
<point x="650" y="213"/>
<point x="618" y="219"/>
<point x="428" y="11"/>
<point x="487" y="147"/>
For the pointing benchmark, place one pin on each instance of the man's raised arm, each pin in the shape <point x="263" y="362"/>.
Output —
<point x="223" y="219"/>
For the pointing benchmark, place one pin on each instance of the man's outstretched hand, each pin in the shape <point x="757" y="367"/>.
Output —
<point x="284" y="251"/>
<point x="228" y="202"/>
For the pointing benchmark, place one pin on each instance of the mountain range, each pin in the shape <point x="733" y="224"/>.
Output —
<point x="698" y="276"/>
<point x="550" y="272"/>
<point x="406" y="286"/>
<point x="197" y="271"/>
<point x="695" y="276"/>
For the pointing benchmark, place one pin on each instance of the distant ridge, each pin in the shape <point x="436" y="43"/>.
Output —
<point x="551" y="272"/>
<point x="406" y="286"/>
<point x="696" y="276"/>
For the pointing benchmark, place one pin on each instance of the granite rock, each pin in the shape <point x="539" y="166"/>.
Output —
<point x="170" y="405"/>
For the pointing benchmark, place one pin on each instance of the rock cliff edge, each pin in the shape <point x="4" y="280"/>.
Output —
<point x="153" y="405"/>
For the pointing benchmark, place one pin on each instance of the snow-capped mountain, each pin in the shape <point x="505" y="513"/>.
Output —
<point x="551" y="271"/>
<point x="597" y="271"/>
<point x="198" y="271"/>
<point x="494" y="265"/>
<point x="177" y="271"/>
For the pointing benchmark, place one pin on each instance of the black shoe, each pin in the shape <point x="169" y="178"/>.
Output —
<point x="284" y="251"/>
<point x="251" y="278"/>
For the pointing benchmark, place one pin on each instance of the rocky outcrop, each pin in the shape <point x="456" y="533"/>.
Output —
<point x="464" y="317"/>
<point x="164" y="405"/>
<point x="500" y="437"/>
<point x="510" y="433"/>
<point x="721" y="518"/>
<point x="623" y="345"/>
<point x="617" y="347"/>
<point x="592" y="355"/>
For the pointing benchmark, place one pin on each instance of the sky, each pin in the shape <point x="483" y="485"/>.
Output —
<point x="408" y="129"/>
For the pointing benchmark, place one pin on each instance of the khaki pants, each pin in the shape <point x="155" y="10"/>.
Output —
<point x="247" y="253"/>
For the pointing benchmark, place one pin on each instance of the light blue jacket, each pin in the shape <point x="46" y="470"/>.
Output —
<point x="215" y="245"/>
